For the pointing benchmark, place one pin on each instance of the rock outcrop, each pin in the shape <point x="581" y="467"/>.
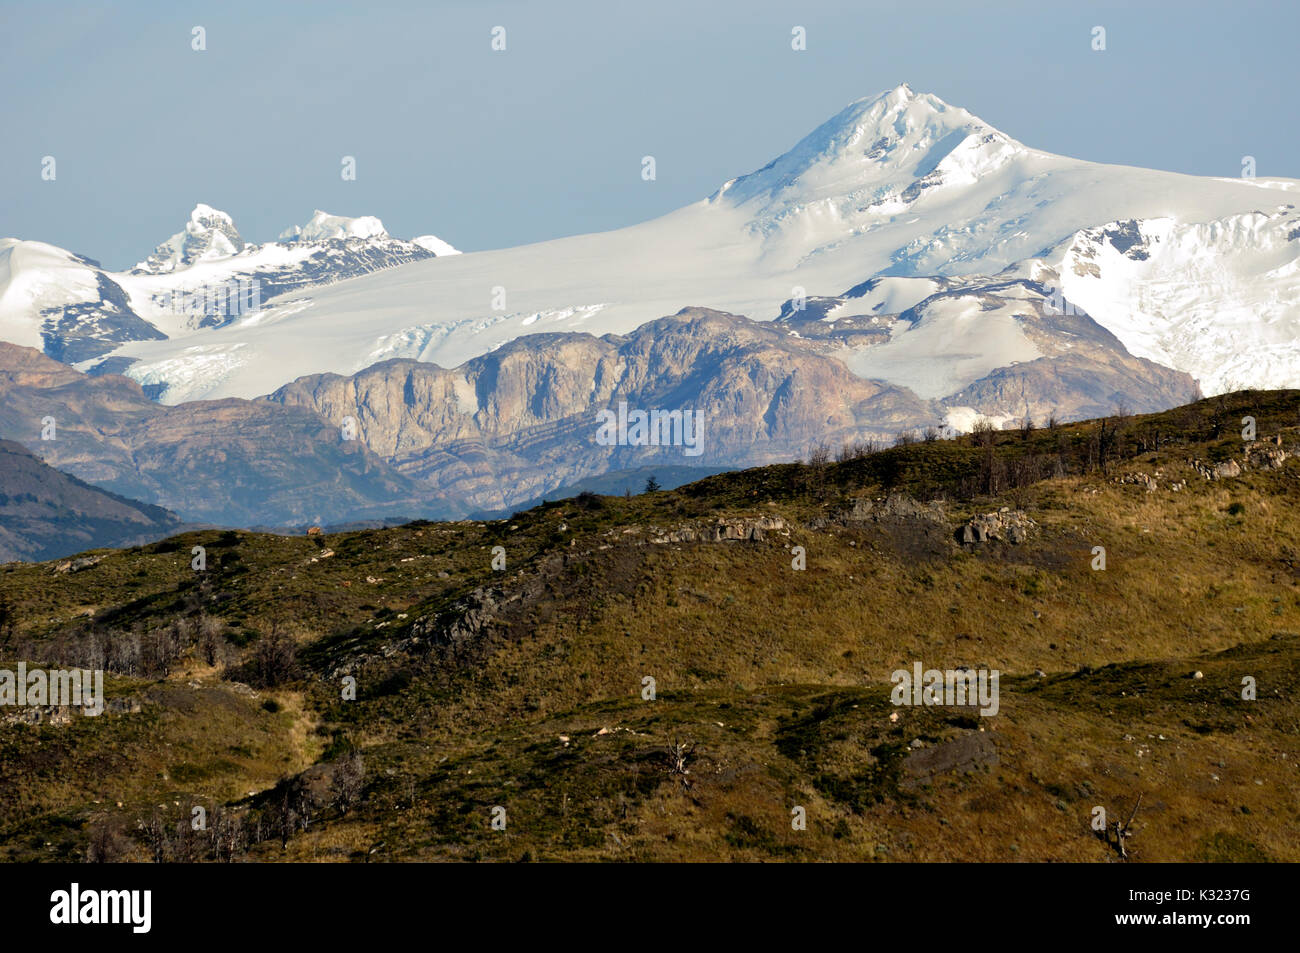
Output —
<point x="1007" y="525"/>
<point x="513" y="424"/>
<point x="755" y="530"/>
<point x="896" y="506"/>
<point x="1257" y="455"/>
<point x="463" y="623"/>
<point x="1263" y="456"/>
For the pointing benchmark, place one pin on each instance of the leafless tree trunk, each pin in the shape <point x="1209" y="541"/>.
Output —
<point x="347" y="780"/>
<point x="155" y="832"/>
<point x="679" y="754"/>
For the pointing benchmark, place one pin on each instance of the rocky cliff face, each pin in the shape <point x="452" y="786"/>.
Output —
<point x="519" y="421"/>
<point x="549" y="410"/>
<point x="524" y="419"/>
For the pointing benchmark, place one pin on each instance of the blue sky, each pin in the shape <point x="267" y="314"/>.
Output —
<point x="488" y="149"/>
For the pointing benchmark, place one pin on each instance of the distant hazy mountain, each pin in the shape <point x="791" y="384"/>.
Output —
<point x="615" y="483"/>
<point x="233" y="462"/>
<point x="45" y="514"/>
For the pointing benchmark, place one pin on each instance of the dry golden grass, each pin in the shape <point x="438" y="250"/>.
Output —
<point x="780" y="678"/>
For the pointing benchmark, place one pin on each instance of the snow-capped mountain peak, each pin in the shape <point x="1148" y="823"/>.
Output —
<point x="875" y="148"/>
<point x="209" y="234"/>
<point x="901" y="188"/>
<point x="436" y="245"/>
<point x="205" y="216"/>
<point x="898" y="158"/>
<point x="326" y="227"/>
<point x="74" y="310"/>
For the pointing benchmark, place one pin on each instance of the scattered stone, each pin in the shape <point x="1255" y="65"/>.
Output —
<point x="62" y="715"/>
<point x="76" y="565"/>
<point x="1139" y="479"/>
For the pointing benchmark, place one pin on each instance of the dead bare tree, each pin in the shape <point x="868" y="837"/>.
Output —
<point x="347" y="780"/>
<point x="184" y="846"/>
<point x="1122" y="832"/>
<point x="7" y="618"/>
<point x="679" y="753"/>
<point x="155" y="833"/>
<point x="981" y="434"/>
<point x="286" y="813"/>
<point x="107" y="843"/>
<point x="226" y="836"/>
<point x="210" y="639"/>
<point x="274" y="658"/>
<point x="857" y="449"/>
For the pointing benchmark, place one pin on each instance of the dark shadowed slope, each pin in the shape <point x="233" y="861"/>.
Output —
<point x="45" y="514"/>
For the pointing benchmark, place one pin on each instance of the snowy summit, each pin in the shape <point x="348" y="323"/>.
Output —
<point x="900" y="207"/>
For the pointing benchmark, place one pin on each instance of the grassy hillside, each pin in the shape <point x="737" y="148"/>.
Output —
<point x="522" y="688"/>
